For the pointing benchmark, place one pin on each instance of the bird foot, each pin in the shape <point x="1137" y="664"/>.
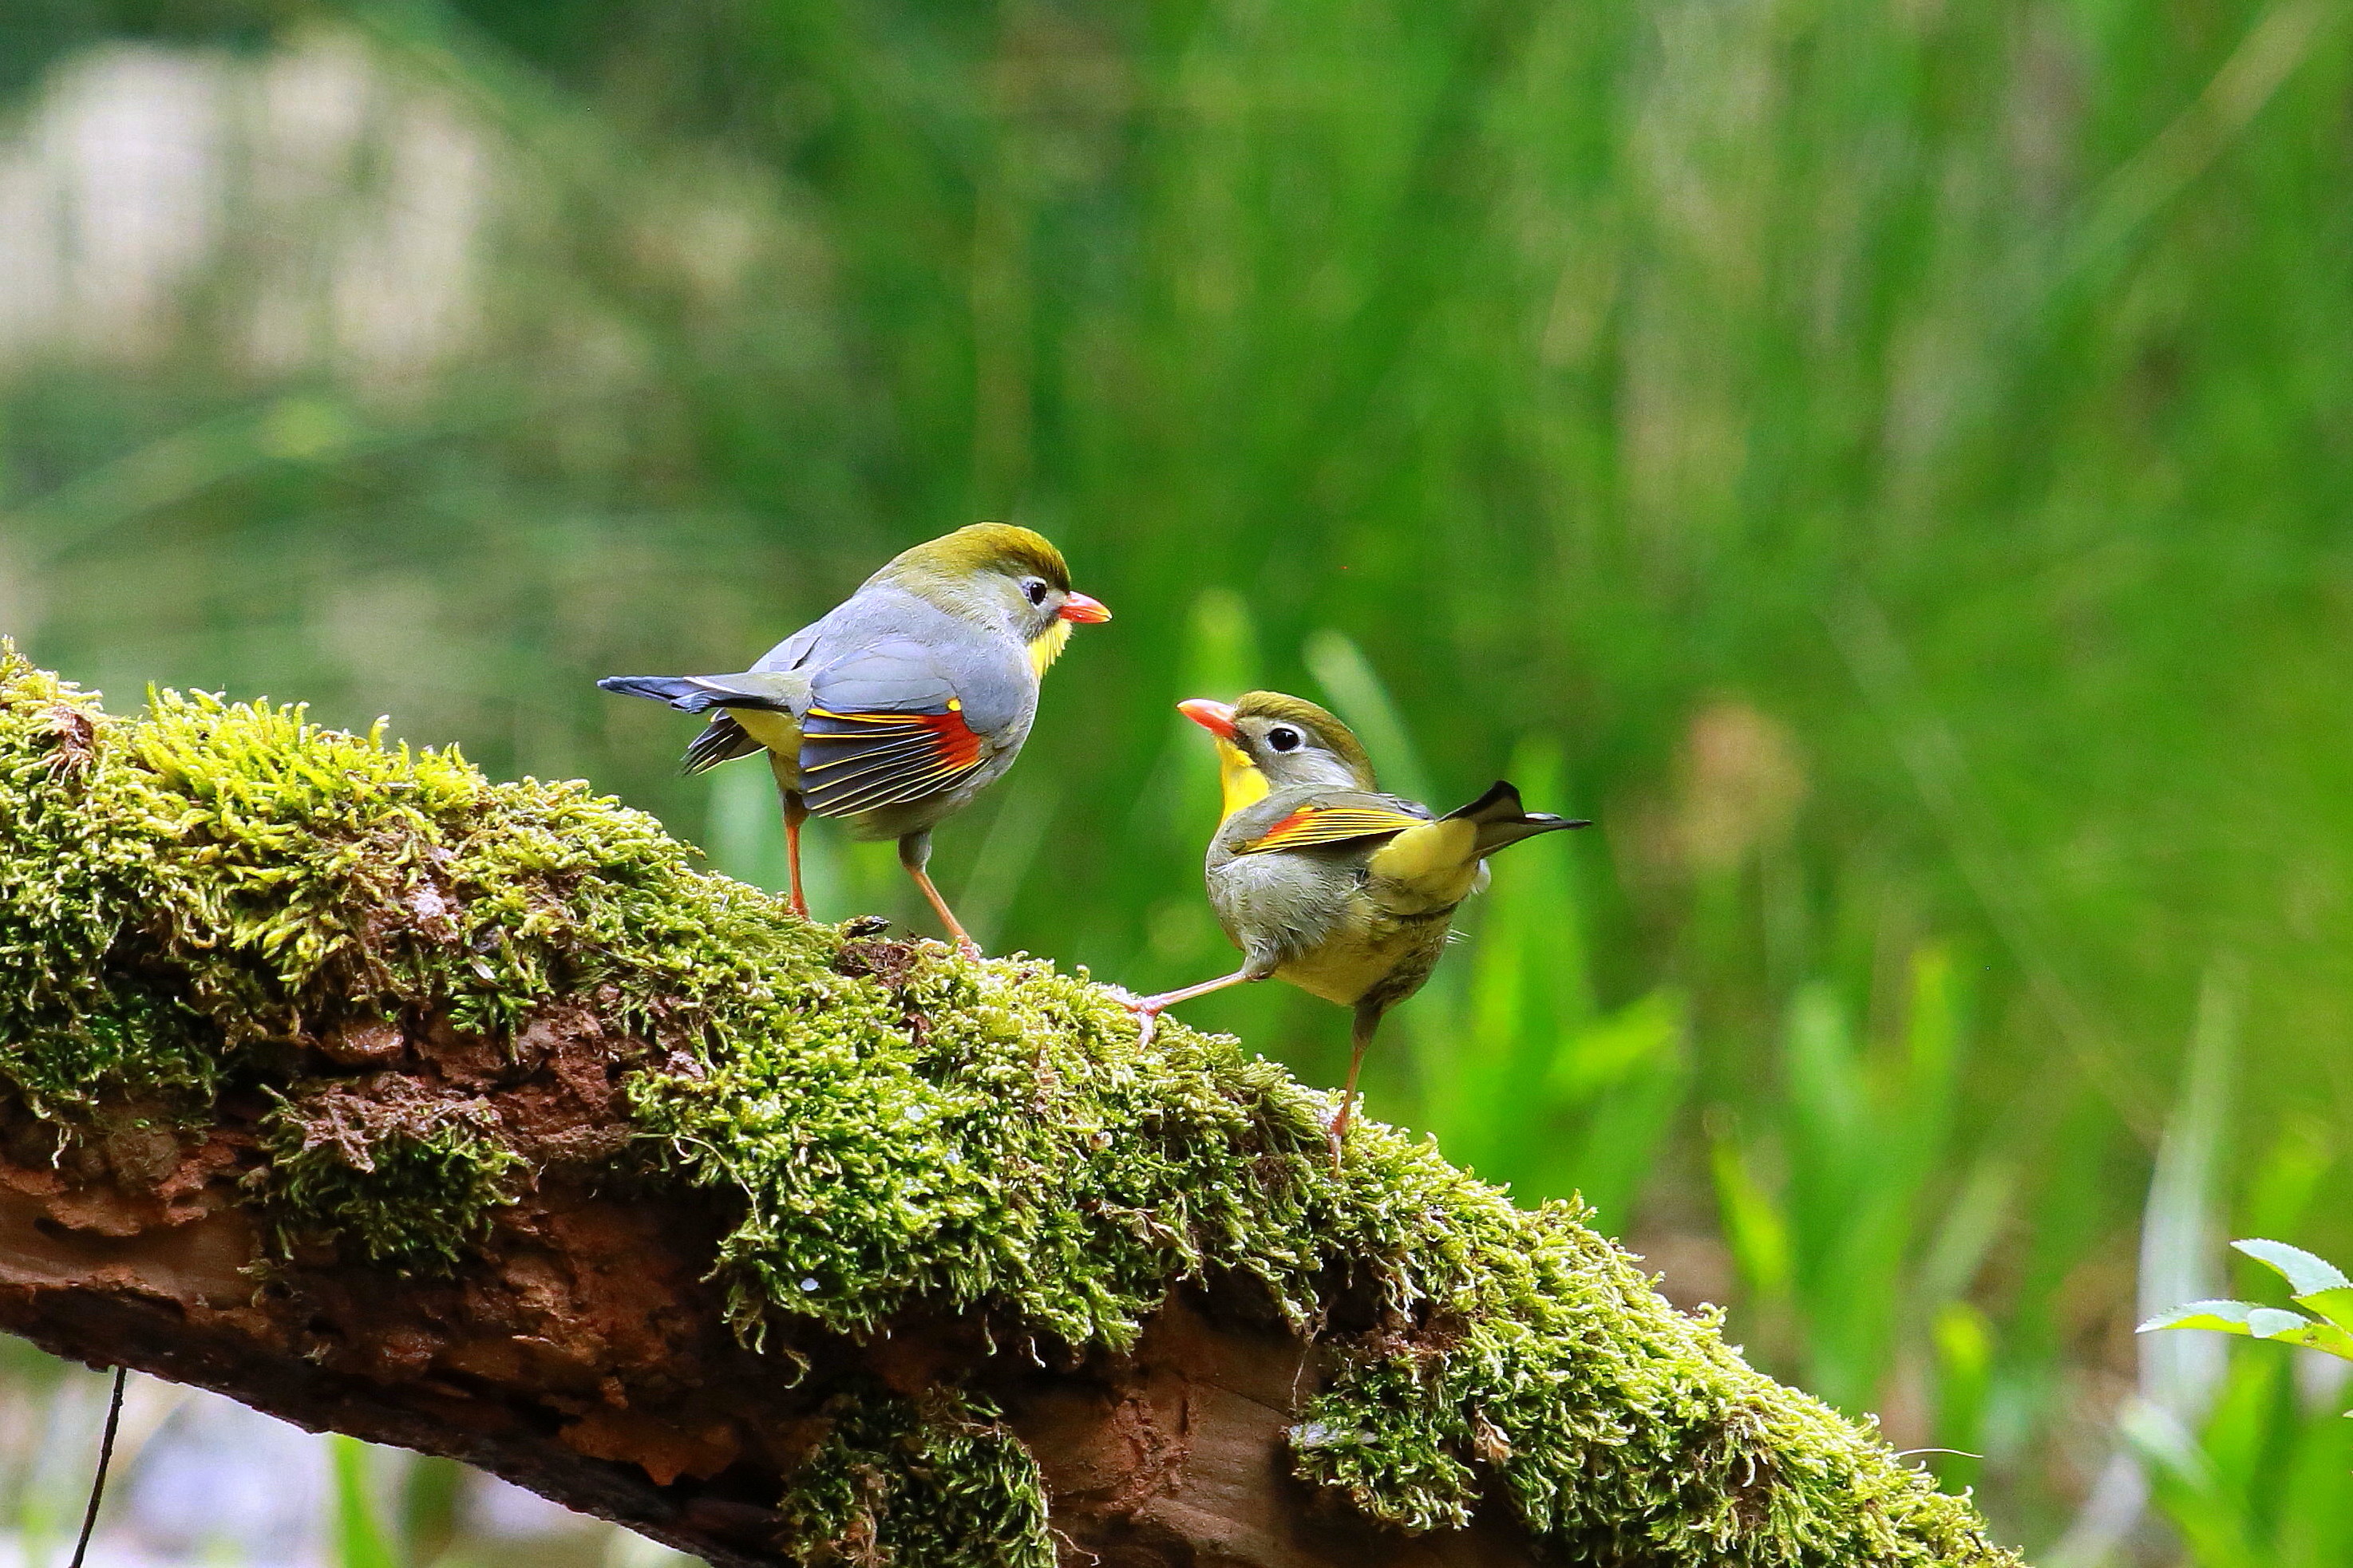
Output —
<point x="1147" y="1016"/>
<point x="968" y="948"/>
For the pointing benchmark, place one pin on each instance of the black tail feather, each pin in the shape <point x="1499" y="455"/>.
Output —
<point x="1503" y="821"/>
<point x="723" y="739"/>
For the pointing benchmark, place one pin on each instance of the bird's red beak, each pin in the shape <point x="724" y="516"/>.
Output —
<point x="1217" y="718"/>
<point x="1080" y="607"/>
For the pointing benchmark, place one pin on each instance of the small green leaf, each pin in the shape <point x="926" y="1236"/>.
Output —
<point x="2287" y="1328"/>
<point x="2256" y="1322"/>
<point x="2219" y="1317"/>
<point x="2276" y="1323"/>
<point x="2306" y="1274"/>
<point x="2311" y="1336"/>
<point x="2335" y="1304"/>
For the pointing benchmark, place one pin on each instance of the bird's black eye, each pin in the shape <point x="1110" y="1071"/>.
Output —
<point x="1035" y="589"/>
<point x="1284" y="738"/>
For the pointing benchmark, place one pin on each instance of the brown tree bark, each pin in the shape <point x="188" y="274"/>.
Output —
<point x="582" y="1353"/>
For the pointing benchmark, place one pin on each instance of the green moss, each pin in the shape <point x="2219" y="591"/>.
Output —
<point x="406" y="1179"/>
<point x="900" y="1128"/>
<point x="897" y="1480"/>
<point x="282" y="875"/>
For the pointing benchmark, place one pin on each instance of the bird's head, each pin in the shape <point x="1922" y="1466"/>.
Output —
<point x="1005" y="577"/>
<point x="1268" y="742"/>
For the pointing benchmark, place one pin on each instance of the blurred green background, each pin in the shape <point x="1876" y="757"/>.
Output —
<point x="1889" y="461"/>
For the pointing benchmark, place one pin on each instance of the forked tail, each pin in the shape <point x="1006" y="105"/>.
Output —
<point x="1502" y="821"/>
<point x="1436" y="864"/>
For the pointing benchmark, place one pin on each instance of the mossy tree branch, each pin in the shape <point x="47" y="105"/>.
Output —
<point x="471" y="1117"/>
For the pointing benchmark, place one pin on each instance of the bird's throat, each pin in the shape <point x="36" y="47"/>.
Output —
<point x="1047" y="647"/>
<point x="1240" y="778"/>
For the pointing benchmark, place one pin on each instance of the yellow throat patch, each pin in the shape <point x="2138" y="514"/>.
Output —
<point x="1047" y="647"/>
<point x="1239" y="778"/>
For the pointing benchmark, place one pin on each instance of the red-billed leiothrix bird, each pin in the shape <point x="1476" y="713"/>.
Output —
<point x="905" y="702"/>
<point x="1325" y="882"/>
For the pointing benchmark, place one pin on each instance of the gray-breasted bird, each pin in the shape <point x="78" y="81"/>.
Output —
<point x="905" y="702"/>
<point x="1323" y="880"/>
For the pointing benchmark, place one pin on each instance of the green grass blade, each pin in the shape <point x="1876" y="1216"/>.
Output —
<point x="361" y="1540"/>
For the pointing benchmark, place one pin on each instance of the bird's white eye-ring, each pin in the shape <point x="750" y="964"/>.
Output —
<point x="1035" y="588"/>
<point x="1284" y="738"/>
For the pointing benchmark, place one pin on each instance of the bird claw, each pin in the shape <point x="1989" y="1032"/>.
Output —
<point x="1147" y="1017"/>
<point x="970" y="949"/>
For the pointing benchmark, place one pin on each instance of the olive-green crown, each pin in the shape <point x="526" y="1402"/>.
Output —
<point x="991" y="547"/>
<point x="1336" y="737"/>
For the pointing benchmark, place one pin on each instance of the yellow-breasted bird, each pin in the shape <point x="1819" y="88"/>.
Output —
<point x="1323" y="880"/>
<point x="905" y="702"/>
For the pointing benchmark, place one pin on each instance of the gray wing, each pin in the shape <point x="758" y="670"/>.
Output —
<point x="885" y="726"/>
<point x="988" y="671"/>
<point x="889" y="675"/>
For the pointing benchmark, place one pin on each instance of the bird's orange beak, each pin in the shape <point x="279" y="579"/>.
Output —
<point x="1217" y="718"/>
<point x="1080" y="607"/>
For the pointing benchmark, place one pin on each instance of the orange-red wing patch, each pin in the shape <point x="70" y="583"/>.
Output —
<point x="960" y="747"/>
<point x="1329" y="825"/>
<point x="853" y="762"/>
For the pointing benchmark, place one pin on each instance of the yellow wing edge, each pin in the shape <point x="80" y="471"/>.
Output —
<point x="1333" y="824"/>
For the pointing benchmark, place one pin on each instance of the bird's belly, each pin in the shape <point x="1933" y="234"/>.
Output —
<point x="1366" y="954"/>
